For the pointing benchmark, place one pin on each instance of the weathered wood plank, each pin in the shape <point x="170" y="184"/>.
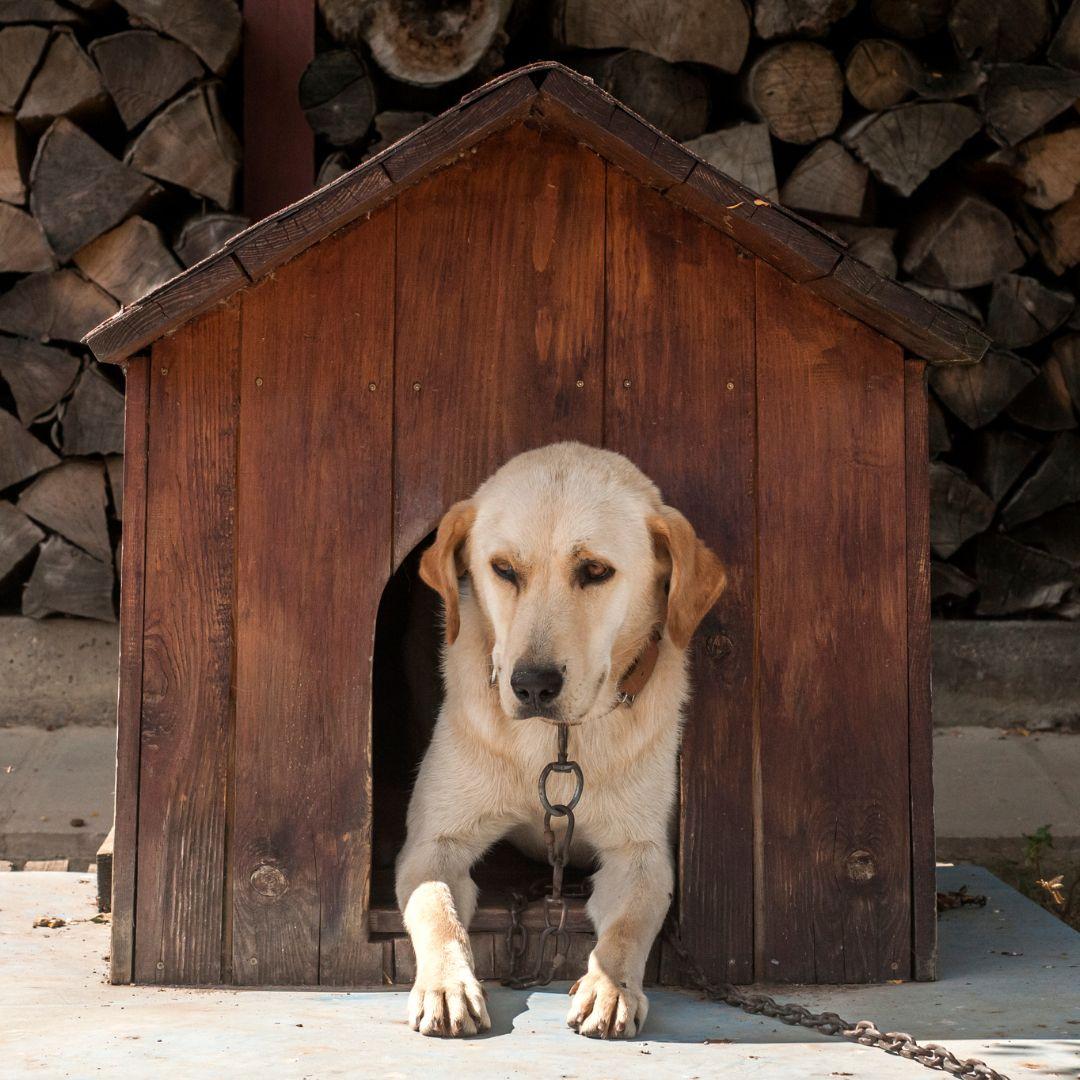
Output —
<point x="680" y="404"/>
<point x="832" y="684"/>
<point x="314" y="554"/>
<point x="187" y="650"/>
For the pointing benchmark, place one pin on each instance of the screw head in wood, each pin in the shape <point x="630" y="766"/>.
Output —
<point x="371" y="386"/>
<point x="416" y="386"/>
<point x="164" y="371"/>
<point x="626" y="384"/>
<point x="258" y="382"/>
<point x="580" y="383"/>
<point x="731" y="386"/>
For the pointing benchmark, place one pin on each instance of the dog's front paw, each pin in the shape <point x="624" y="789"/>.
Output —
<point x="448" y="1001"/>
<point x="604" y="1009"/>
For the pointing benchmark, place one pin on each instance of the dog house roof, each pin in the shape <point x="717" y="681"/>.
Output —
<point x="554" y="96"/>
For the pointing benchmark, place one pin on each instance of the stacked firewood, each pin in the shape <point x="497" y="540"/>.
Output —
<point x="118" y="167"/>
<point x="938" y="138"/>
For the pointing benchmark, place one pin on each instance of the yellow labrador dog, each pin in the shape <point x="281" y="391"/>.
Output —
<point x="558" y="576"/>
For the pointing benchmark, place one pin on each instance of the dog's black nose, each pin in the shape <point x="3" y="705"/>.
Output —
<point x="536" y="686"/>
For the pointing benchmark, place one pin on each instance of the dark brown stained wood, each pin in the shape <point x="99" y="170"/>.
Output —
<point x="532" y="204"/>
<point x="835" y="894"/>
<point x="129" y="703"/>
<point x="314" y="489"/>
<point x="920" y="721"/>
<point x="187" y="651"/>
<point x="680" y="404"/>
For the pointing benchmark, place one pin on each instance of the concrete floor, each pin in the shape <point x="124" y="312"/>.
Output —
<point x="1010" y="994"/>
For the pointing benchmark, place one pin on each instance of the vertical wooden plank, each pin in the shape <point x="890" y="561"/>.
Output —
<point x="279" y="145"/>
<point x="313" y="556"/>
<point x="920" y="721"/>
<point x="833" y="665"/>
<point x="499" y="316"/>
<point x="129" y="701"/>
<point x="187" y="658"/>
<point x="680" y="404"/>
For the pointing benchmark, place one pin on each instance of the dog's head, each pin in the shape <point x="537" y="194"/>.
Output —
<point x="572" y="562"/>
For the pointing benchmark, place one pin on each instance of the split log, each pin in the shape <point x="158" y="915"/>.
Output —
<point x="1000" y="458"/>
<point x="904" y="145"/>
<point x="66" y="84"/>
<point x="114" y="468"/>
<point x="910" y="18"/>
<point x="18" y="538"/>
<point x="797" y="89"/>
<point x="190" y="143"/>
<point x="1000" y="31"/>
<point x="93" y="421"/>
<point x="20" y="50"/>
<point x="1066" y="351"/>
<point x="949" y="583"/>
<point x="12" y="162"/>
<point x="829" y="182"/>
<point x="958" y="509"/>
<point x="798" y="18"/>
<point x="1014" y="577"/>
<point x="872" y="244"/>
<point x="1059" y="239"/>
<point x="21" y="454"/>
<point x="78" y="190"/>
<point x="337" y="96"/>
<point x="713" y="32"/>
<point x="743" y="152"/>
<point x="67" y="581"/>
<point x="37" y="11"/>
<point x="1057" y="533"/>
<point x="209" y="28"/>
<point x="1045" y="404"/>
<point x="37" y="376"/>
<point x="949" y="298"/>
<point x="1024" y="311"/>
<point x="976" y="393"/>
<point x="128" y="261"/>
<point x="1055" y="483"/>
<point x="23" y="247"/>
<point x="962" y="243"/>
<point x="1064" y="50"/>
<point x="1048" y="166"/>
<point x="203" y="234"/>
<point x="60" y="305"/>
<point x="950" y="85"/>
<point x="394" y="124"/>
<point x="674" y="99"/>
<point x="142" y="70"/>
<point x="882" y="73"/>
<point x="70" y="500"/>
<point x="1018" y="99"/>
<point x="333" y="165"/>
<point x="422" y="44"/>
<point x="940" y="441"/>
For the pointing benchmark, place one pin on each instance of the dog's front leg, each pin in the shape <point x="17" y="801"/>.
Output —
<point x="631" y="894"/>
<point x="437" y="898"/>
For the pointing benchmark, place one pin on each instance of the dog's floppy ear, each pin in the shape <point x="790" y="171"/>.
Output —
<point x="697" y="575"/>
<point x="441" y="565"/>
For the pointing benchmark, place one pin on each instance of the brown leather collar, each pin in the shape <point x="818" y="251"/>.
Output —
<point x="640" y="671"/>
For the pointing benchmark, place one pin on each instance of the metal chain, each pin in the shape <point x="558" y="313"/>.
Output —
<point x="865" y="1032"/>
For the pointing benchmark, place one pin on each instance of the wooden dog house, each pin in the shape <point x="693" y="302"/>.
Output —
<point x="536" y="264"/>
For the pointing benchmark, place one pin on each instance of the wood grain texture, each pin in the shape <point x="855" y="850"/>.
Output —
<point x="833" y="663"/>
<point x="129" y="702"/>
<point x="510" y="242"/>
<point x="188" y="646"/>
<point x="920" y="721"/>
<point x="313" y="555"/>
<point x="680" y="404"/>
<point x="279" y="159"/>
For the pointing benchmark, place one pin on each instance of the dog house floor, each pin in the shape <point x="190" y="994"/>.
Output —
<point x="1008" y="995"/>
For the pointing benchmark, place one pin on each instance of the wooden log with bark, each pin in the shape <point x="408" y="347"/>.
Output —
<point x="190" y="143"/>
<point x="337" y="96"/>
<point x="1000" y="459"/>
<point x="1045" y="403"/>
<point x="23" y="247"/>
<point x="959" y="509"/>
<point x="1023" y="311"/>
<point x="66" y="84"/>
<point x="797" y="88"/>
<point x="93" y="421"/>
<point x="143" y="70"/>
<point x="829" y="182"/>
<point x="78" y="190"/>
<point x="1055" y="483"/>
<point x="209" y="28"/>
<point x="1013" y="577"/>
<point x="1000" y="31"/>
<point x="59" y="305"/>
<point x="22" y="454"/>
<point x="1018" y="99"/>
<point x="21" y="48"/>
<point x="798" y="18"/>
<point x="976" y="393"/>
<point x="128" y="261"/>
<point x="743" y="152"/>
<point x="19" y="536"/>
<point x="70" y="500"/>
<point x="203" y="234"/>
<point x="12" y="162"/>
<point x="37" y="11"/>
<point x="67" y="581"/>
<point x="38" y="376"/>
<point x="881" y="73"/>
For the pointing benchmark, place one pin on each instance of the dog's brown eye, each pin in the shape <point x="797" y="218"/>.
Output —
<point x="504" y="570"/>
<point x="592" y="573"/>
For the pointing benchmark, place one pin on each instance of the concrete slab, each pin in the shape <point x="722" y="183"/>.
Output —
<point x="1010" y="994"/>
<point x="48" y="779"/>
